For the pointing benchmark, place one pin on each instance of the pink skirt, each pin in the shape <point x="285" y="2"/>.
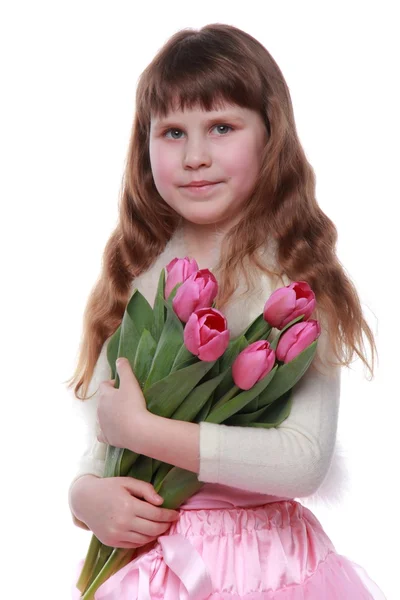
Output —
<point x="277" y="551"/>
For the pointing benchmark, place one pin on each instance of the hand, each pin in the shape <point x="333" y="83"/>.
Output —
<point x="122" y="413"/>
<point x="125" y="513"/>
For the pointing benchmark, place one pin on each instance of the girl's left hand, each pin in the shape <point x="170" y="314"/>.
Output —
<point x="122" y="412"/>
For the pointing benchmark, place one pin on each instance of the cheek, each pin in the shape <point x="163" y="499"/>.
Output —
<point x="242" y="164"/>
<point x="162" y="165"/>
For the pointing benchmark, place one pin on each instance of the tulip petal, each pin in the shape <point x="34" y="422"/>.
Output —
<point x="252" y="364"/>
<point x="307" y="337"/>
<point x="281" y="303"/>
<point x="178" y="270"/>
<point x="215" y="348"/>
<point x="207" y="334"/>
<point x="304" y="334"/>
<point x="301" y="303"/>
<point x="288" y="339"/>
<point x="270" y="362"/>
<point x="171" y="264"/>
<point x="186" y="300"/>
<point x="247" y="368"/>
<point x="191" y="335"/>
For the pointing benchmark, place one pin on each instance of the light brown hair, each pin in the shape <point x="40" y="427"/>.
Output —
<point x="206" y="68"/>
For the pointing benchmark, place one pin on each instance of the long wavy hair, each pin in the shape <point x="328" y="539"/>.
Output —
<point x="206" y="68"/>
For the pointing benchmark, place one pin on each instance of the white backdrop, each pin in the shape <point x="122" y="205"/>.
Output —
<point x="68" y="77"/>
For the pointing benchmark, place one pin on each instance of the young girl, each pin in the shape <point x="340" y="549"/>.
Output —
<point x="216" y="172"/>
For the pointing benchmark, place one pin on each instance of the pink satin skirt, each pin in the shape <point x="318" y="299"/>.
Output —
<point x="277" y="551"/>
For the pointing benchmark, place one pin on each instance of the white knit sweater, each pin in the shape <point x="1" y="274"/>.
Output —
<point x="290" y="461"/>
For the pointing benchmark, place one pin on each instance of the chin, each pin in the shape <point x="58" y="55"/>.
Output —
<point x="202" y="215"/>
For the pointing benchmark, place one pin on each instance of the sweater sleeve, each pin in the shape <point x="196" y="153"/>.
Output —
<point x="290" y="460"/>
<point x="92" y="460"/>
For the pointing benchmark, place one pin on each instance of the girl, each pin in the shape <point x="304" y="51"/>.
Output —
<point x="216" y="172"/>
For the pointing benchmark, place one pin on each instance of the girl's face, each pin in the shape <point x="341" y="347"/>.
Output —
<point x="222" y="147"/>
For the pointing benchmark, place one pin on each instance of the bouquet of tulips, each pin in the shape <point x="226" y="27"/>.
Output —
<point x="189" y="369"/>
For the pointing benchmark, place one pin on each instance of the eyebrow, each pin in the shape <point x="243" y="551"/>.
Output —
<point x="173" y="121"/>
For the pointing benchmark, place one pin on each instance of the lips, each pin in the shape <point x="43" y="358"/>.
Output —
<point x="200" y="183"/>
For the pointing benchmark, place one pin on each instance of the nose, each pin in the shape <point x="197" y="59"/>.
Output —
<point x="196" y="154"/>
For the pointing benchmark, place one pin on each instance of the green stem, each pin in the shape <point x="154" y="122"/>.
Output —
<point x="259" y="335"/>
<point x="104" y="555"/>
<point x="89" y="564"/>
<point x="119" y="557"/>
<point x="228" y="396"/>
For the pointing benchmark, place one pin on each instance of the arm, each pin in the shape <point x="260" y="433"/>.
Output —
<point x="92" y="461"/>
<point x="291" y="460"/>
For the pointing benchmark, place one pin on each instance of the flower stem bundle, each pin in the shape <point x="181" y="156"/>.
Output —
<point x="189" y="369"/>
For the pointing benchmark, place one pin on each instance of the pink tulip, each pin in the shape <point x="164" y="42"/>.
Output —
<point x="198" y="291"/>
<point x="288" y="303"/>
<point x="296" y="339"/>
<point x="206" y="334"/>
<point x="253" y="364"/>
<point x="178" y="270"/>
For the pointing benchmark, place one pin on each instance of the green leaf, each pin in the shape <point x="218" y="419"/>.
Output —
<point x="259" y="329"/>
<point x="113" y="458"/>
<point x="276" y="412"/>
<point x="178" y="485"/>
<point x="159" y="475"/>
<point x="234" y="348"/>
<point x="138" y="316"/>
<point x="142" y="469"/>
<point x="159" y="308"/>
<point x="140" y="311"/>
<point x="225" y="363"/>
<point x="127" y="459"/>
<point x="144" y="357"/>
<point x="112" y="350"/>
<point x="183" y="357"/>
<point x="170" y="342"/>
<point x="221" y="413"/>
<point x="173" y="293"/>
<point x="276" y="339"/>
<point x="205" y="411"/>
<point x="265" y="416"/>
<point x="164" y="396"/>
<point x="196" y="399"/>
<point x="288" y="375"/>
<point x="252" y="406"/>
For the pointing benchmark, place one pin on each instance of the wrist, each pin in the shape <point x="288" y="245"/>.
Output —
<point x="143" y="427"/>
<point x="78" y="492"/>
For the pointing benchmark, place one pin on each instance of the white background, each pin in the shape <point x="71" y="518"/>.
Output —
<point x="68" y="76"/>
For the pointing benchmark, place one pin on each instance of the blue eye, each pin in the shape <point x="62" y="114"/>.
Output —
<point x="224" y="126"/>
<point x="174" y="131"/>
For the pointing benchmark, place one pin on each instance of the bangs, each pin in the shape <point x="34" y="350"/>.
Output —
<point x="190" y="74"/>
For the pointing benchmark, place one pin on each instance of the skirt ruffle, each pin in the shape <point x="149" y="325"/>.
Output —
<point x="277" y="551"/>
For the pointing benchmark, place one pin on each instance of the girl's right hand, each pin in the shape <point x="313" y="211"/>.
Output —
<point x="113" y="509"/>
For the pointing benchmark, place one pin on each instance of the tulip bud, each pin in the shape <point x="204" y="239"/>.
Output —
<point x="287" y="303"/>
<point x="206" y="334"/>
<point x="296" y="339"/>
<point x="198" y="291"/>
<point x="253" y="364"/>
<point x="178" y="270"/>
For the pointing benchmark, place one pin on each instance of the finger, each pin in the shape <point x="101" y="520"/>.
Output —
<point x="126" y="375"/>
<point x="150" y="528"/>
<point x="136" y="539"/>
<point x="147" y="511"/>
